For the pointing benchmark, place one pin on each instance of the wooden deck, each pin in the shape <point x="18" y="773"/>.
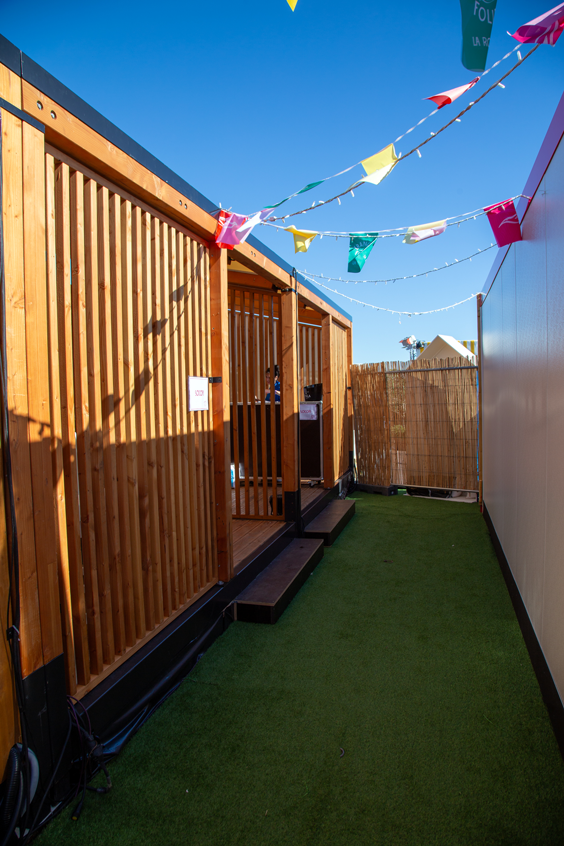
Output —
<point x="309" y="496"/>
<point x="251" y="536"/>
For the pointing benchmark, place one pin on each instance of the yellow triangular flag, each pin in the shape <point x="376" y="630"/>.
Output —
<point x="379" y="165"/>
<point x="302" y="239"/>
<point x="292" y="4"/>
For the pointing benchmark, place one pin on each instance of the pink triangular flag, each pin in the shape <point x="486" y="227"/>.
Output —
<point x="249" y="224"/>
<point x="226" y="231"/>
<point x="504" y="223"/>
<point x="447" y="97"/>
<point x="545" y="29"/>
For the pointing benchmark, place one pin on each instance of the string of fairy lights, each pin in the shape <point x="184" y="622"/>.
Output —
<point x="416" y="149"/>
<point x="315" y="276"/>
<point x="453" y="220"/>
<point x="235" y="228"/>
<point x="391" y="310"/>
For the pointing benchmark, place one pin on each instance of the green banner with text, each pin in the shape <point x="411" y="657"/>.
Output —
<point x="477" y="21"/>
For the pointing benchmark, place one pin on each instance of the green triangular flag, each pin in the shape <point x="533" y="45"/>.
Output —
<point x="360" y="246"/>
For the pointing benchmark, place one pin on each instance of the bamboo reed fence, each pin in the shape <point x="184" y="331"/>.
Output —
<point x="416" y="424"/>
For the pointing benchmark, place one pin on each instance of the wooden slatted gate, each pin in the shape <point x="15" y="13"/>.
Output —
<point x="129" y="321"/>
<point x="309" y="340"/>
<point x="255" y="344"/>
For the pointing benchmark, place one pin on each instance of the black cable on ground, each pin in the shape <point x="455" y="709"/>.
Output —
<point x="14" y="789"/>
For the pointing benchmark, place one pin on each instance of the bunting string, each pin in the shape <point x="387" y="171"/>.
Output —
<point x="471" y="105"/>
<point x="488" y="70"/>
<point x="391" y="310"/>
<point x="416" y="149"/>
<point x="454" y="220"/>
<point x="395" y="278"/>
<point x="312" y="185"/>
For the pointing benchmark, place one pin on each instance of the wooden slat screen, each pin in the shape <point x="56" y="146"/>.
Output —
<point x="339" y="383"/>
<point x="309" y="341"/>
<point x="129" y="321"/>
<point x="414" y="427"/>
<point x="255" y="345"/>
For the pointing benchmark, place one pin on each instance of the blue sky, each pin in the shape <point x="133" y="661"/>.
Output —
<point x="249" y="102"/>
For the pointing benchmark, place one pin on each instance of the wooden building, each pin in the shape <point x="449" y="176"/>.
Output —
<point x="132" y="541"/>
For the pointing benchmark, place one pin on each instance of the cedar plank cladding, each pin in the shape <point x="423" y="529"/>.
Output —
<point x="135" y="517"/>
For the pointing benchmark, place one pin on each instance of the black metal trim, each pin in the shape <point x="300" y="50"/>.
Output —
<point x="215" y="380"/>
<point x="385" y="490"/>
<point x="10" y="56"/>
<point x="8" y="107"/>
<point x="549" y="692"/>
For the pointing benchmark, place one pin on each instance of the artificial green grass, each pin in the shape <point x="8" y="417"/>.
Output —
<point x="403" y="650"/>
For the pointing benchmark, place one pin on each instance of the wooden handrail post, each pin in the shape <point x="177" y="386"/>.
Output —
<point x="221" y="411"/>
<point x="350" y="410"/>
<point x="289" y="389"/>
<point x="328" y="452"/>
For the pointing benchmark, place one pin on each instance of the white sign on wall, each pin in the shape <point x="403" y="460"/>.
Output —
<point x="198" y="392"/>
<point x="308" y="410"/>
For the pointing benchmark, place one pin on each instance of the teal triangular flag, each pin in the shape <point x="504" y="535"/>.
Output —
<point x="360" y="246"/>
<point x="310" y="186"/>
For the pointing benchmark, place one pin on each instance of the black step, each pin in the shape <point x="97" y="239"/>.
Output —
<point x="266" y="599"/>
<point x="331" y="522"/>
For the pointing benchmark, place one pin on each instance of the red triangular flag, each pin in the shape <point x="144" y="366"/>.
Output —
<point x="447" y="97"/>
<point x="504" y="223"/>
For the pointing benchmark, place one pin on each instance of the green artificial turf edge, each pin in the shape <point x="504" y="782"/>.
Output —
<point x="393" y="703"/>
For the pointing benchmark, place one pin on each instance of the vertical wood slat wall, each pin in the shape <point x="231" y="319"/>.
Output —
<point x="129" y="321"/>
<point x="28" y="402"/>
<point x="309" y="345"/>
<point x="254" y="345"/>
<point x="339" y="399"/>
<point x="414" y="427"/>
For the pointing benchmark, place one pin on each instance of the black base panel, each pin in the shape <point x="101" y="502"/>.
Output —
<point x="331" y="522"/>
<point x="47" y="723"/>
<point x="266" y="599"/>
<point x="549" y="691"/>
<point x="385" y="490"/>
<point x="169" y="656"/>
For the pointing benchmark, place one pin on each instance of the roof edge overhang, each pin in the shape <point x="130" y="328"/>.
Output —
<point x="252" y="253"/>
